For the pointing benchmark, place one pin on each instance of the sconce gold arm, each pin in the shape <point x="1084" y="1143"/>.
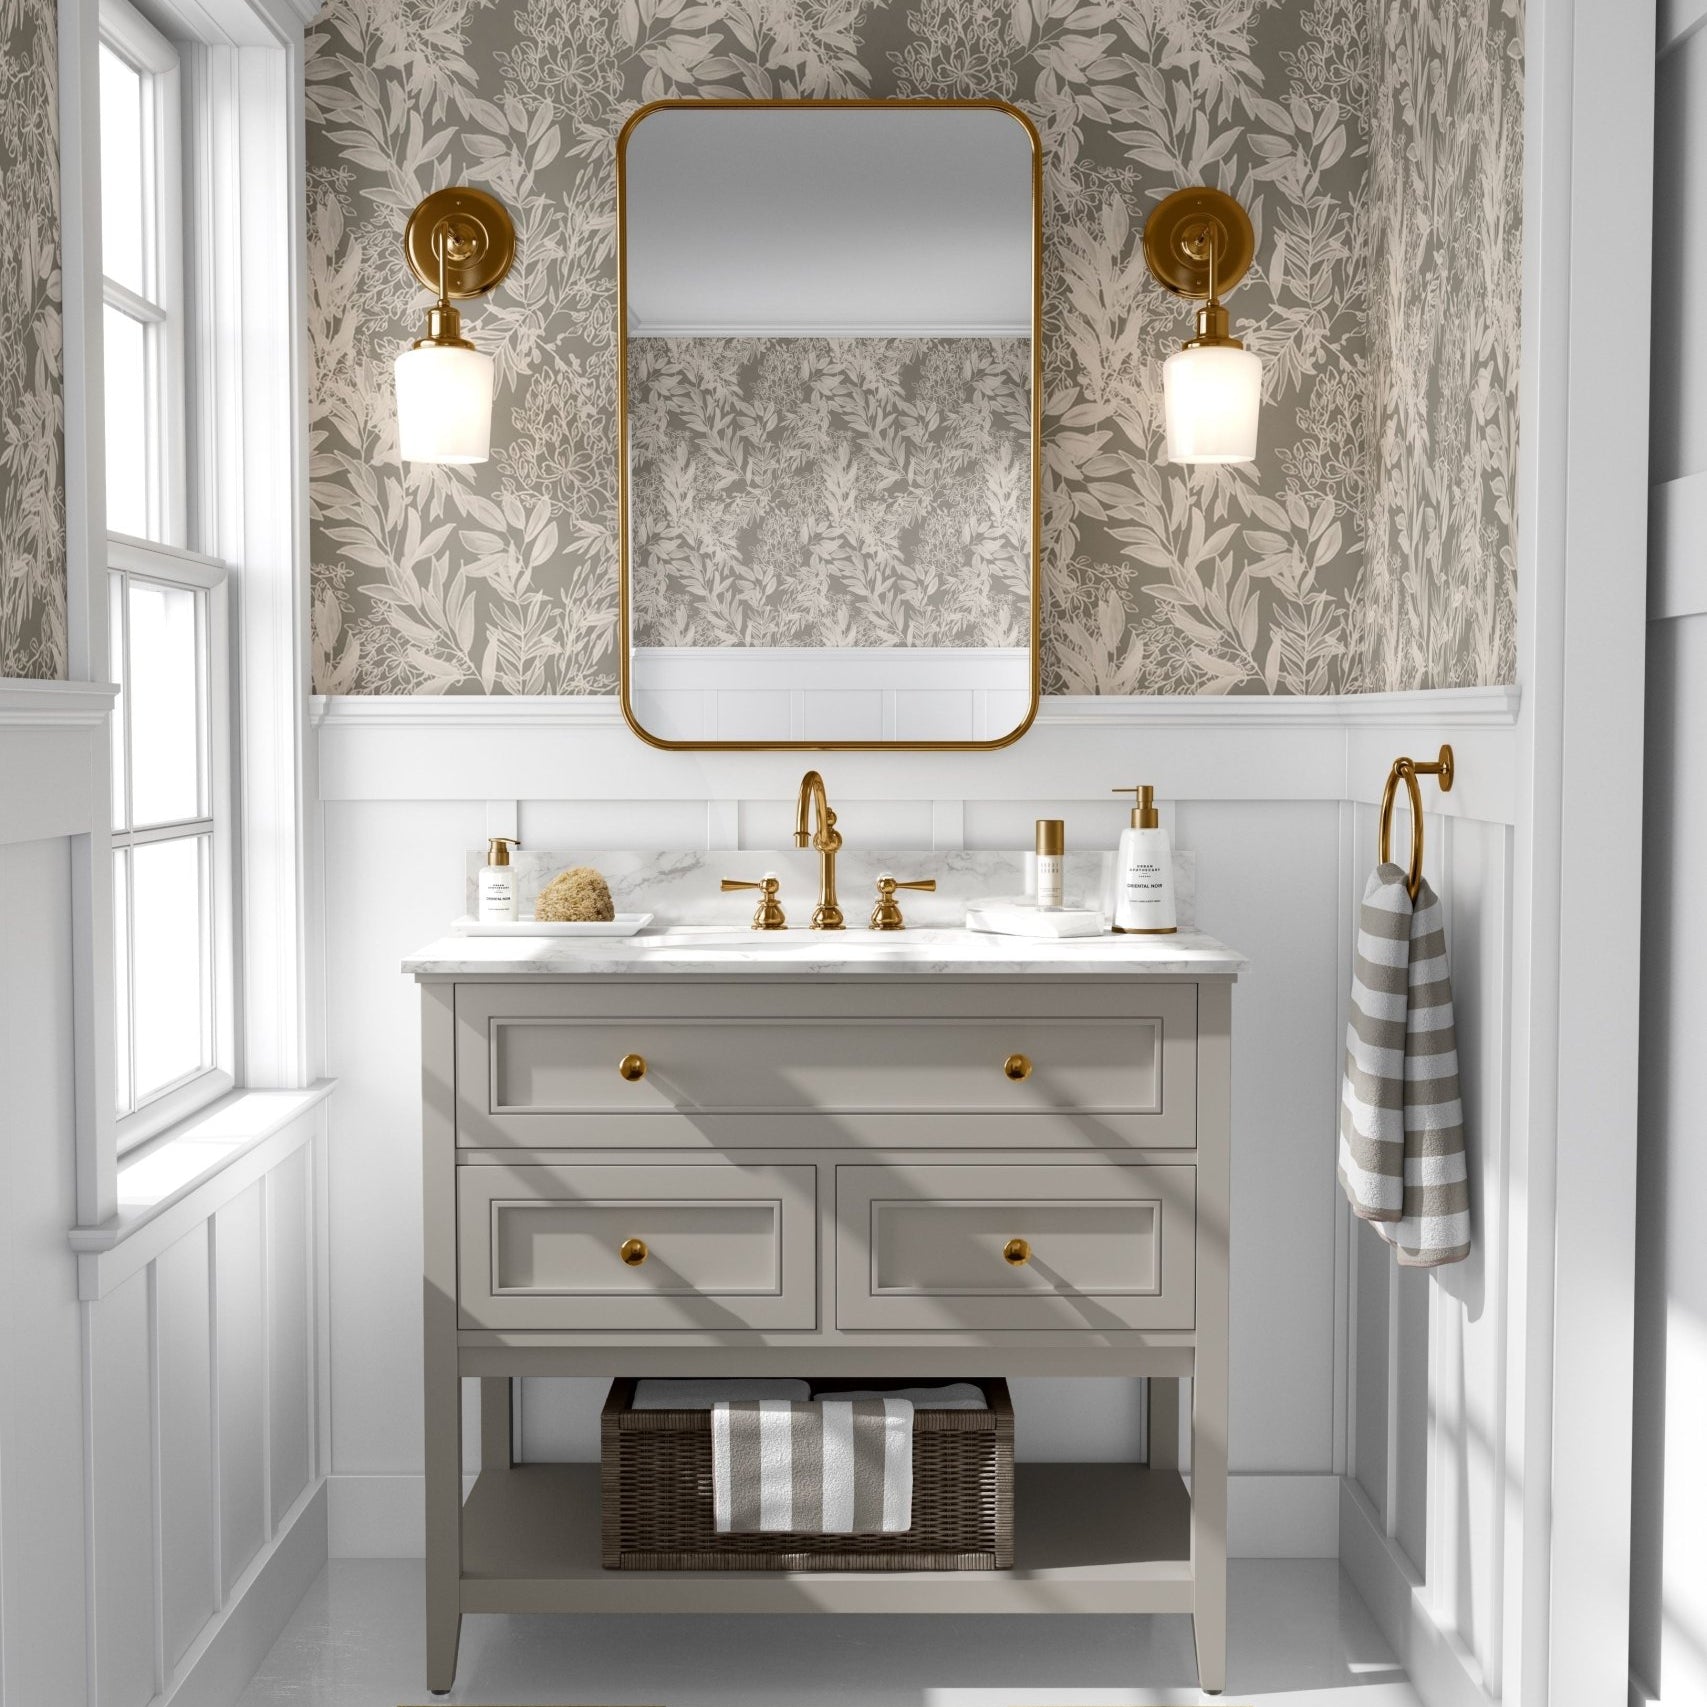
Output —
<point x="1198" y="243"/>
<point x="459" y="242"/>
<point x="1409" y="770"/>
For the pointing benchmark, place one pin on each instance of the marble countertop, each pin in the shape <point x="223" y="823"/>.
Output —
<point x="717" y="951"/>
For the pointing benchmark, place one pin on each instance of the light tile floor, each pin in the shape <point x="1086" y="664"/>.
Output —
<point x="1299" y="1637"/>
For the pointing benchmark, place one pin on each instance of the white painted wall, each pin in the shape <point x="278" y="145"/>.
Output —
<point x="1668" y="1588"/>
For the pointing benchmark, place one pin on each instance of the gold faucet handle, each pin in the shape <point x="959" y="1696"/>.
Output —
<point x="886" y="915"/>
<point x="768" y="915"/>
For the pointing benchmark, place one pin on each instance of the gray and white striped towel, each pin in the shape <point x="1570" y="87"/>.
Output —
<point x="1401" y="1146"/>
<point x="825" y="1467"/>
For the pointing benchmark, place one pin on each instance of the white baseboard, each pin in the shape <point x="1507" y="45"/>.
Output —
<point x="229" y="1651"/>
<point x="1442" y="1671"/>
<point x="1268" y="1517"/>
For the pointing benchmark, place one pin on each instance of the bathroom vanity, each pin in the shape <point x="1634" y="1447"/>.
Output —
<point x="932" y="1154"/>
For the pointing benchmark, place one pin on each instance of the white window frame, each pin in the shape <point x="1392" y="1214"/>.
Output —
<point x="136" y="41"/>
<point x="135" y="559"/>
<point x="163" y="558"/>
<point x="245" y="484"/>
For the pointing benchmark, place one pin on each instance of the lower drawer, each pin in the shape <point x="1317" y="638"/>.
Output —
<point x="563" y="1247"/>
<point x="1045" y="1246"/>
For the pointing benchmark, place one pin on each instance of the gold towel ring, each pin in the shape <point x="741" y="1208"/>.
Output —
<point x="1410" y="770"/>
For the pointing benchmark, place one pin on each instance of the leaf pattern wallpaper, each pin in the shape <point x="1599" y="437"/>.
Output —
<point x="830" y="492"/>
<point x="1369" y="546"/>
<point x="32" y="436"/>
<point x="1438" y="604"/>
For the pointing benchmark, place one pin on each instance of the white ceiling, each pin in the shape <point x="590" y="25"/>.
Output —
<point x="810" y="221"/>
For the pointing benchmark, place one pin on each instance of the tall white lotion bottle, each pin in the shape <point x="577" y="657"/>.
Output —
<point x="1144" y="871"/>
<point x="495" y="891"/>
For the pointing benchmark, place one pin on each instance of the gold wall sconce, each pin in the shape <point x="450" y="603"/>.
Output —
<point x="1199" y="243"/>
<point x="459" y="243"/>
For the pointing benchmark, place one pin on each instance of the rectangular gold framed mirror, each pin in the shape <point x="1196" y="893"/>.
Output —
<point x="829" y="348"/>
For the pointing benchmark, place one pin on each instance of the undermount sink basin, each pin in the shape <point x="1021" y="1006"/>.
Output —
<point x="798" y="944"/>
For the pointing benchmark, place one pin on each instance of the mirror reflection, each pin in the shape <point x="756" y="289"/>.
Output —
<point x="828" y="325"/>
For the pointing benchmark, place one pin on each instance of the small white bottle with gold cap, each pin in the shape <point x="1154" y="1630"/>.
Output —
<point x="1144" y="872"/>
<point x="496" y="888"/>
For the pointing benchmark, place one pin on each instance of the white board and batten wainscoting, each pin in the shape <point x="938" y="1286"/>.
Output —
<point x="1360" y="1399"/>
<point x="163" y="1433"/>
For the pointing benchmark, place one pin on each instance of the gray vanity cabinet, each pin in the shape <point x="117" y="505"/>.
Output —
<point x="912" y="1176"/>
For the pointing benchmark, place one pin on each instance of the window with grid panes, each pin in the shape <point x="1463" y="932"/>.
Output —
<point x="167" y="627"/>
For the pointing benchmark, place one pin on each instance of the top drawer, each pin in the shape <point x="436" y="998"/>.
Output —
<point x="570" y="1065"/>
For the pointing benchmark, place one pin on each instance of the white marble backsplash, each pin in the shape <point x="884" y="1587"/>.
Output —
<point x="681" y="888"/>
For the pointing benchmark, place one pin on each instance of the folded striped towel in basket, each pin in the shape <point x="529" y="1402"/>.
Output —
<point x="823" y="1467"/>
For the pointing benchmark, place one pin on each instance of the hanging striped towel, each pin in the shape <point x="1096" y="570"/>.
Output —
<point x="826" y="1467"/>
<point x="1401" y="1146"/>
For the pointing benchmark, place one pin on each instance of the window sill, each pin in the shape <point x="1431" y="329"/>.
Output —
<point x="184" y="1175"/>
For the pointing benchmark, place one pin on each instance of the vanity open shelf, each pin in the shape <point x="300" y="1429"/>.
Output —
<point x="1088" y="1538"/>
<point x="734" y="1165"/>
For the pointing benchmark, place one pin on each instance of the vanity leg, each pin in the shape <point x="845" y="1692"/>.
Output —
<point x="442" y="1387"/>
<point x="1209" y="1376"/>
<point x="497" y="1422"/>
<point x="1164" y="1423"/>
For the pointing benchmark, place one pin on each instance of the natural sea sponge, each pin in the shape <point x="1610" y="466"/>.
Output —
<point x="577" y="895"/>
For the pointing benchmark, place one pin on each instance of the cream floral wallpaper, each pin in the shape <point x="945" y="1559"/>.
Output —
<point x="1438" y="604"/>
<point x="830" y="492"/>
<point x="32" y="490"/>
<point x="1157" y="579"/>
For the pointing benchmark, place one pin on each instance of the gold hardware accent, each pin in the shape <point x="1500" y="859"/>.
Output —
<point x="1017" y="1067"/>
<point x="1016" y="1253"/>
<point x="632" y="1068"/>
<point x="768" y="915"/>
<point x="625" y="636"/>
<point x="1145" y="815"/>
<point x="1409" y="770"/>
<point x="633" y="1252"/>
<point x="827" y="839"/>
<point x="1199" y="242"/>
<point x="459" y="242"/>
<point x="886" y="915"/>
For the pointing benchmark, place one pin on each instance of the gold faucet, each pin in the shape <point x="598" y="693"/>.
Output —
<point x="827" y="915"/>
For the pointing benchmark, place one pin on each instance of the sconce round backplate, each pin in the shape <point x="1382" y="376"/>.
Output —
<point x="480" y="235"/>
<point x="1177" y="241"/>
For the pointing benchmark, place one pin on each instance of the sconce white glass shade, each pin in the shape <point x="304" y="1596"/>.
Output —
<point x="444" y="404"/>
<point x="1211" y="397"/>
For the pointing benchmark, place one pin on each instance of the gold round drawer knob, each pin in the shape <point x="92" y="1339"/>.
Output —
<point x="632" y="1067"/>
<point x="633" y="1252"/>
<point x="1016" y="1253"/>
<point x="1017" y="1067"/>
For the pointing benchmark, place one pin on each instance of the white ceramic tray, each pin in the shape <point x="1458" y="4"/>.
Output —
<point x="624" y="924"/>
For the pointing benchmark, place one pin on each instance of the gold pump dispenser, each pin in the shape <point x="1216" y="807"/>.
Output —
<point x="1144" y="813"/>
<point x="498" y="849"/>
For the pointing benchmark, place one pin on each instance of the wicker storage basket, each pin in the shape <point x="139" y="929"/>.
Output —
<point x="655" y="1482"/>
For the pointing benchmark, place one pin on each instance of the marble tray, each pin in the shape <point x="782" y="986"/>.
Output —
<point x="624" y="924"/>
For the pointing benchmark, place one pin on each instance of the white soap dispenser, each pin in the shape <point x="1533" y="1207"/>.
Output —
<point x="496" y="888"/>
<point x="1144" y="872"/>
